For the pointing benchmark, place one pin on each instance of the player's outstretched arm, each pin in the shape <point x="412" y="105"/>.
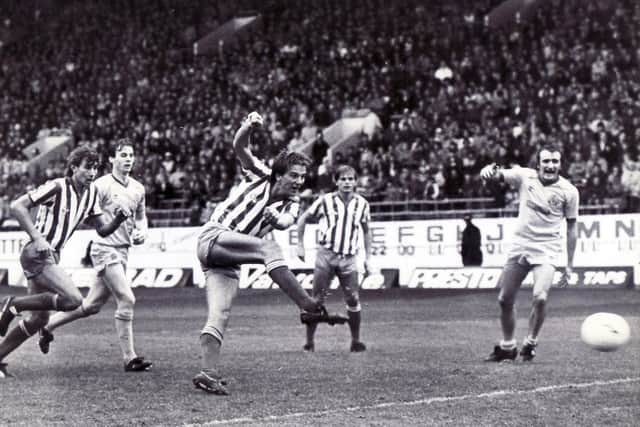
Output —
<point x="250" y="124"/>
<point x="491" y="172"/>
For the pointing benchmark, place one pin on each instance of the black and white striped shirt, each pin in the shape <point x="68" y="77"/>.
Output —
<point x="242" y="210"/>
<point x="340" y="222"/>
<point x="61" y="209"/>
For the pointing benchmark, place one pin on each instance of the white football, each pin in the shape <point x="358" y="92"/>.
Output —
<point x="605" y="331"/>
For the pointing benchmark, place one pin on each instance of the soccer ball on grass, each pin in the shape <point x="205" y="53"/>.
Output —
<point x="605" y="331"/>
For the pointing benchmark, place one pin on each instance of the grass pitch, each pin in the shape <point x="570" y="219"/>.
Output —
<point x="423" y="366"/>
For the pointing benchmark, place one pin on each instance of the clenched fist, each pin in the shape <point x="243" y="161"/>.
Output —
<point x="254" y="120"/>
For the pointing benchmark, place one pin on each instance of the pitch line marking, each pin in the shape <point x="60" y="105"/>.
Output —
<point x="428" y="401"/>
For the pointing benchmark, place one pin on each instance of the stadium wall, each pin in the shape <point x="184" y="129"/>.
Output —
<point x="415" y="254"/>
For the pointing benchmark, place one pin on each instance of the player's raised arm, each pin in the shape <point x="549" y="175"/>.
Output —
<point x="241" y="139"/>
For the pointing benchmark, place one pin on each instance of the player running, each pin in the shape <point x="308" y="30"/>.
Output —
<point x="265" y="200"/>
<point x="341" y="214"/>
<point x="109" y="257"/>
<point x="63" y="203"/>
<point x="546" y="199"/>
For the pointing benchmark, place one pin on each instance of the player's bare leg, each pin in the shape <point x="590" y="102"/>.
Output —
<point x="322" y="277"/>
<point x="543" y="278"/>
<point x="236" y="248"/>
<point x="511" y="279"/>
<point x="27" y="326"/>
<point x="115" y="279"/>
<point x="56" y="291"/>
<point x="349" y="284"/>
<point x="96" y="298"/>
<point x="222" y="287"/>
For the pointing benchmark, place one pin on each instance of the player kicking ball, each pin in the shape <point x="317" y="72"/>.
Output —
<point x="546" y="199"/>
<point x="109" y="257"/>
<point x="266" y="199"/>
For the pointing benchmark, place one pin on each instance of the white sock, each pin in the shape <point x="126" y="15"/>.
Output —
<point x="532" y="341"/>
<point x="508" y="345"/>
<point x="124" y="328"/>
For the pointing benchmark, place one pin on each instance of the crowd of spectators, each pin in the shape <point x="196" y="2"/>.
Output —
<point x="452" y="93"/>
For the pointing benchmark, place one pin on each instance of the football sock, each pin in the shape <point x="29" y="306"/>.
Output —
<point x="354" y="325"/>
<point x="37" y="302"/>
<point x="124" y="329"/>
<point x="210" y="347"/>
<point x="507" y="345"/>
<point x="529" y="340"/>
<point x="14" y="338"/>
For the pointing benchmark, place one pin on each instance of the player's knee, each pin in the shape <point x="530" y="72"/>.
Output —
<point x="353" y="304"/>
<point x="506" y="304"/>
<point x="127" y="300"/>
<point x="540" y="298"/>
<point x="124" y="312"/>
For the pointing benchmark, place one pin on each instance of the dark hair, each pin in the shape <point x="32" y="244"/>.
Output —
<point x="119" y="144"/>
<point x="343" y="169"/>
<point x="552" y="148"/>
<point x="284" y="160"/>
<point x="80" y="154"/>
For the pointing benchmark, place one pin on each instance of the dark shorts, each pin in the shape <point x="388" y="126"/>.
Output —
<point x="33" y="262"/>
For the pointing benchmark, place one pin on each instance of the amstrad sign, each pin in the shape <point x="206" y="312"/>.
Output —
<point x="140" y="277"/>
<point x="487" y="278"/>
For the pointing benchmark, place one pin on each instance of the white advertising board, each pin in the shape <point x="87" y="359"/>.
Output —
<point x="603" y="240"/>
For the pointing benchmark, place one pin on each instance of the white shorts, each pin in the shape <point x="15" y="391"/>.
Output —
<point x="103" y="256"/>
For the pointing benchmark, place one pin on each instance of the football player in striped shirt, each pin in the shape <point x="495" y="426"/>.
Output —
<point x="342" y="214"/>
<point x="546" y="200"/>
<point x="63" y="204"/>
<point x="109" y="256"/>
<point x="266" y="199"/>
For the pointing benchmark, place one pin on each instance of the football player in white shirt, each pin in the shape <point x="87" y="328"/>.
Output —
<point x="109" y="257"/>
<point x="546" y="199"/>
